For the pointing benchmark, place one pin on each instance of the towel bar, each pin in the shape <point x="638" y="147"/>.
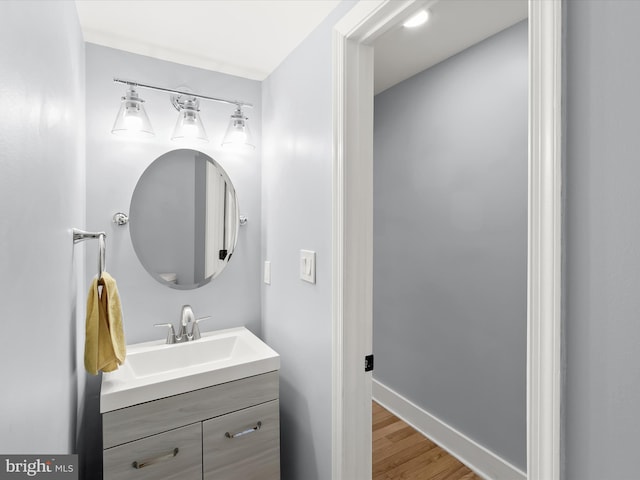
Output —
<point x="81" y="236"/>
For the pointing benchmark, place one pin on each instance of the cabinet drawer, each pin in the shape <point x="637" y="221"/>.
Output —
<point x="143" y="420"/>
<point x="235" y="448"/>
<point x="157" y="458"/>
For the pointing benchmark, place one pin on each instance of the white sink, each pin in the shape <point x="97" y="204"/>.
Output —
<point x="154" y="370"/>
<point x="162" y="359"/>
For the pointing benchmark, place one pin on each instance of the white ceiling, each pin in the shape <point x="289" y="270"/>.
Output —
<point x="453" y="26"/>
<point x="250" y="38"/>
<point x="247" y="38"/>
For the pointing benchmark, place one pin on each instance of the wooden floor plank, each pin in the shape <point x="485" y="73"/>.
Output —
<point x="401" y="452"/>
<point x="399" y="456"/>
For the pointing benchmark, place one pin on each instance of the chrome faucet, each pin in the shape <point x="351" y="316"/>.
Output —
<point x="188" y="329"/>
<point x="186" y="318"/>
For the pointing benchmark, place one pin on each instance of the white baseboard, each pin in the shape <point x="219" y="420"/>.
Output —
<point x="482" y="461"/>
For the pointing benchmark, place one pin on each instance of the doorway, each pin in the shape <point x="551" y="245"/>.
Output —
<point x="450" y="235"/>
<point x="352" y="271"/>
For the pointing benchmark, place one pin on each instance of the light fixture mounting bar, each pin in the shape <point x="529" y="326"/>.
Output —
<point x="179" y="92"/>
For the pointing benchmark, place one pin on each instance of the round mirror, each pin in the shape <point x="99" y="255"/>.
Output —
<point x="184" y="219"/>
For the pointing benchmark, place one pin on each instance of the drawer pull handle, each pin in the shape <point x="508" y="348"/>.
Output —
<point x="244" y="432"/>
<point x="157" y="459"/>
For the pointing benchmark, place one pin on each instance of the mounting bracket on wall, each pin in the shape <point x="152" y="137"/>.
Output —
<point x="120" y="218"/>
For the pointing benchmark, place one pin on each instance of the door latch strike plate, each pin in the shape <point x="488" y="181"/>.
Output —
<point x="368" y="363"/>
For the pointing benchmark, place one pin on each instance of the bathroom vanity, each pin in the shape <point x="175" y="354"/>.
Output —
<point x="208" y="420"/>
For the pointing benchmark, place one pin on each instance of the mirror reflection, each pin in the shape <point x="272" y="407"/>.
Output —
<point x="184" y="219"/>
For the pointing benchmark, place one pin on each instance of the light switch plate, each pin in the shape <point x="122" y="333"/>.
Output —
<point x="308" y="266"/>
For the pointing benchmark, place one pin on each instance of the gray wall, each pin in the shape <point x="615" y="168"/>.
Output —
<point x="602" y="225"/>
<point x="114" y="165"/>
<point x="297" y="180"/>
<point x="450" y="239"/>
<point x="41" y="200"/>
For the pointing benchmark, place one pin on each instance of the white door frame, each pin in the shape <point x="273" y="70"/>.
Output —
<point x="353" y="227"/>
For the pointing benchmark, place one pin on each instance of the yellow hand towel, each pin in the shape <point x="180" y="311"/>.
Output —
<point x="104" y="347"/>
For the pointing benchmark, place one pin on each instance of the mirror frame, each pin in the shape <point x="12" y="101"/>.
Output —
<point x="353" y="227"/>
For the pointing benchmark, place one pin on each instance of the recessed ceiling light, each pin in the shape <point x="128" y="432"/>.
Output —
<point x="418" y="19"/>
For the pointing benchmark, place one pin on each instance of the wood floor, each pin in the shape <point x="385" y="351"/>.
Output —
<point x="400" y="452"/>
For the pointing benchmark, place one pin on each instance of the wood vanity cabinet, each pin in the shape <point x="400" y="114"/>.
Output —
<point x="224" y="432"/>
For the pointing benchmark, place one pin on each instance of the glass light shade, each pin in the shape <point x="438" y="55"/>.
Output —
<point x="132" y="119"/>
<point x="189" y="125"/>
<point x="238" y="135"/>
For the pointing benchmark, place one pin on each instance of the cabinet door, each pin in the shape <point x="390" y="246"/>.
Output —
<point x="173" y="455"/>
<point x="243" y="445"/>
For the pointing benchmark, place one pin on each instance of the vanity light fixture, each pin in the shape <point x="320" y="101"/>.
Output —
<point x="417" y="20"/>
<point x="238" y="135"/>
<point x="189" y="125"/>
<point x="132" y="119"/>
